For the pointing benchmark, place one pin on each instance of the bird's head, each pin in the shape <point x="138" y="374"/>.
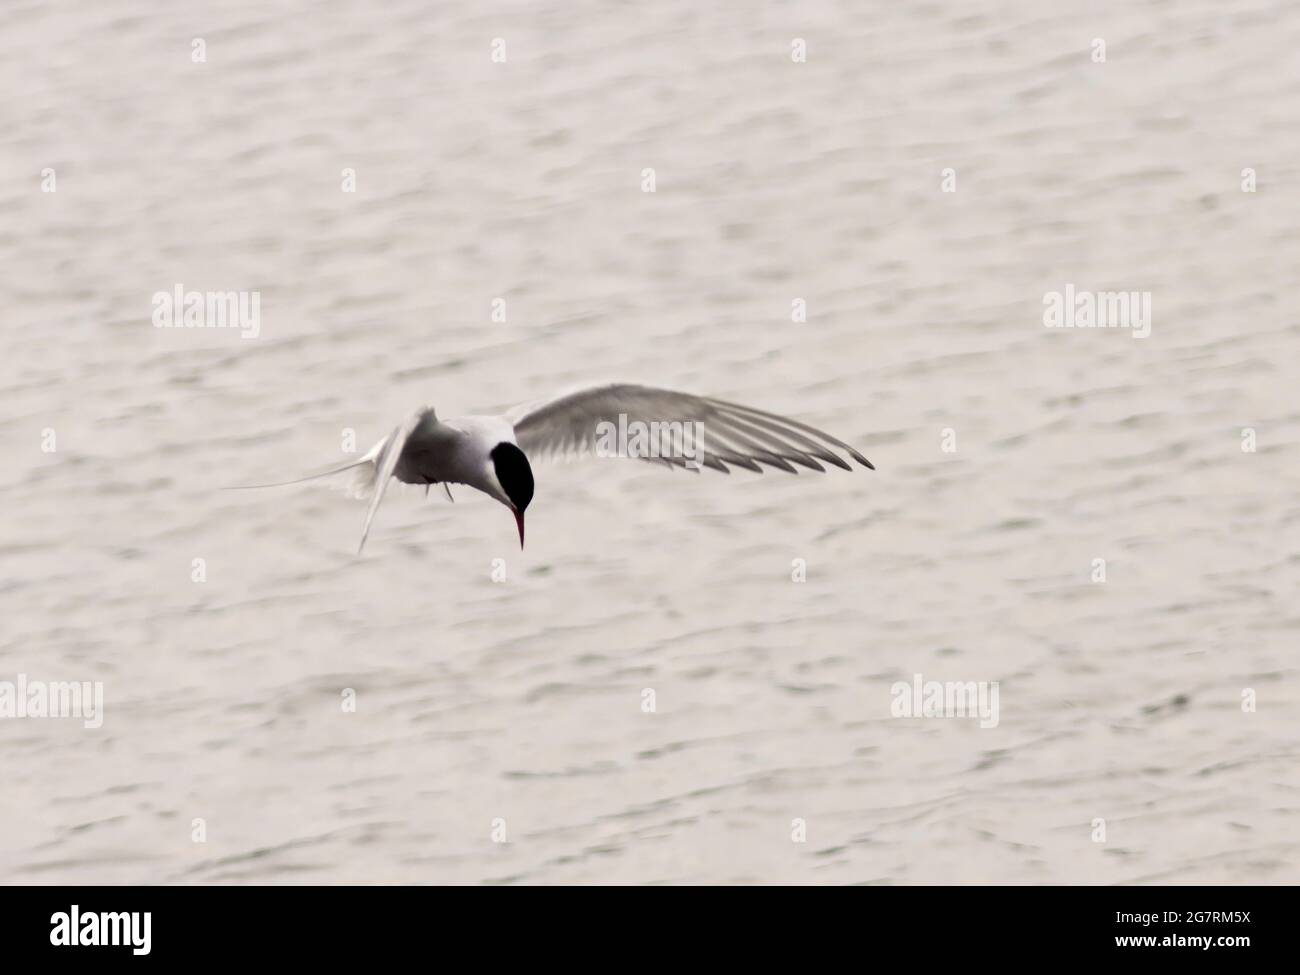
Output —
<point x="515" y="476"/>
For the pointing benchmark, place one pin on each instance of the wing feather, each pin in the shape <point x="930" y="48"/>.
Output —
<point x="733" y="434"/>
<point x="384" y="465"/>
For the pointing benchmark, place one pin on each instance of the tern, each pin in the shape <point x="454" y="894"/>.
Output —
<point x="492" y="453"/>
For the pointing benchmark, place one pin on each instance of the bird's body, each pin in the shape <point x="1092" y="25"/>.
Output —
<point x="452" y="451"/>
<point x="491" y="453"/>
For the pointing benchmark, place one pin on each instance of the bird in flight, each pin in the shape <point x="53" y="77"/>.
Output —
<point x="491" y="453"/>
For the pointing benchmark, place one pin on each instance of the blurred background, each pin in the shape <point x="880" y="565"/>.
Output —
<point x="516" y="706"/>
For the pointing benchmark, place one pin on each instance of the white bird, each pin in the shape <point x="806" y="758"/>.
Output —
<point x="491" y="453"/>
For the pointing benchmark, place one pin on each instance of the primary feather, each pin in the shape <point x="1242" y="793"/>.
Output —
<point x="733" y="434"/>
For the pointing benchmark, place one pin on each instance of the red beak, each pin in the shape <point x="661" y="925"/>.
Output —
<point x="519" y="520"/>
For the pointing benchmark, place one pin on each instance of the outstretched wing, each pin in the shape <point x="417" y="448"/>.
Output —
<point x="390" y="452"/>
<point x="731" y="433"/>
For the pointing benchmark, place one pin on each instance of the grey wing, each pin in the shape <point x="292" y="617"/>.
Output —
<point x="730" y="433"/>
<point x="389" y="454"/>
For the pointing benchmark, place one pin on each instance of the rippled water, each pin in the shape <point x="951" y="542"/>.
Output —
<point x="521" y="702"/>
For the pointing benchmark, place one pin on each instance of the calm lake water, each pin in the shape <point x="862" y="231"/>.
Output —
<point x="1011" y="457"/>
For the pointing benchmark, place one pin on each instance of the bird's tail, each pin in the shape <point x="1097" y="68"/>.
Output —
<point x="360" y="486"/>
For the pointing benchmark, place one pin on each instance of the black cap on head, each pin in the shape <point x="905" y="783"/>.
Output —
<point x="514" y="473"/>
